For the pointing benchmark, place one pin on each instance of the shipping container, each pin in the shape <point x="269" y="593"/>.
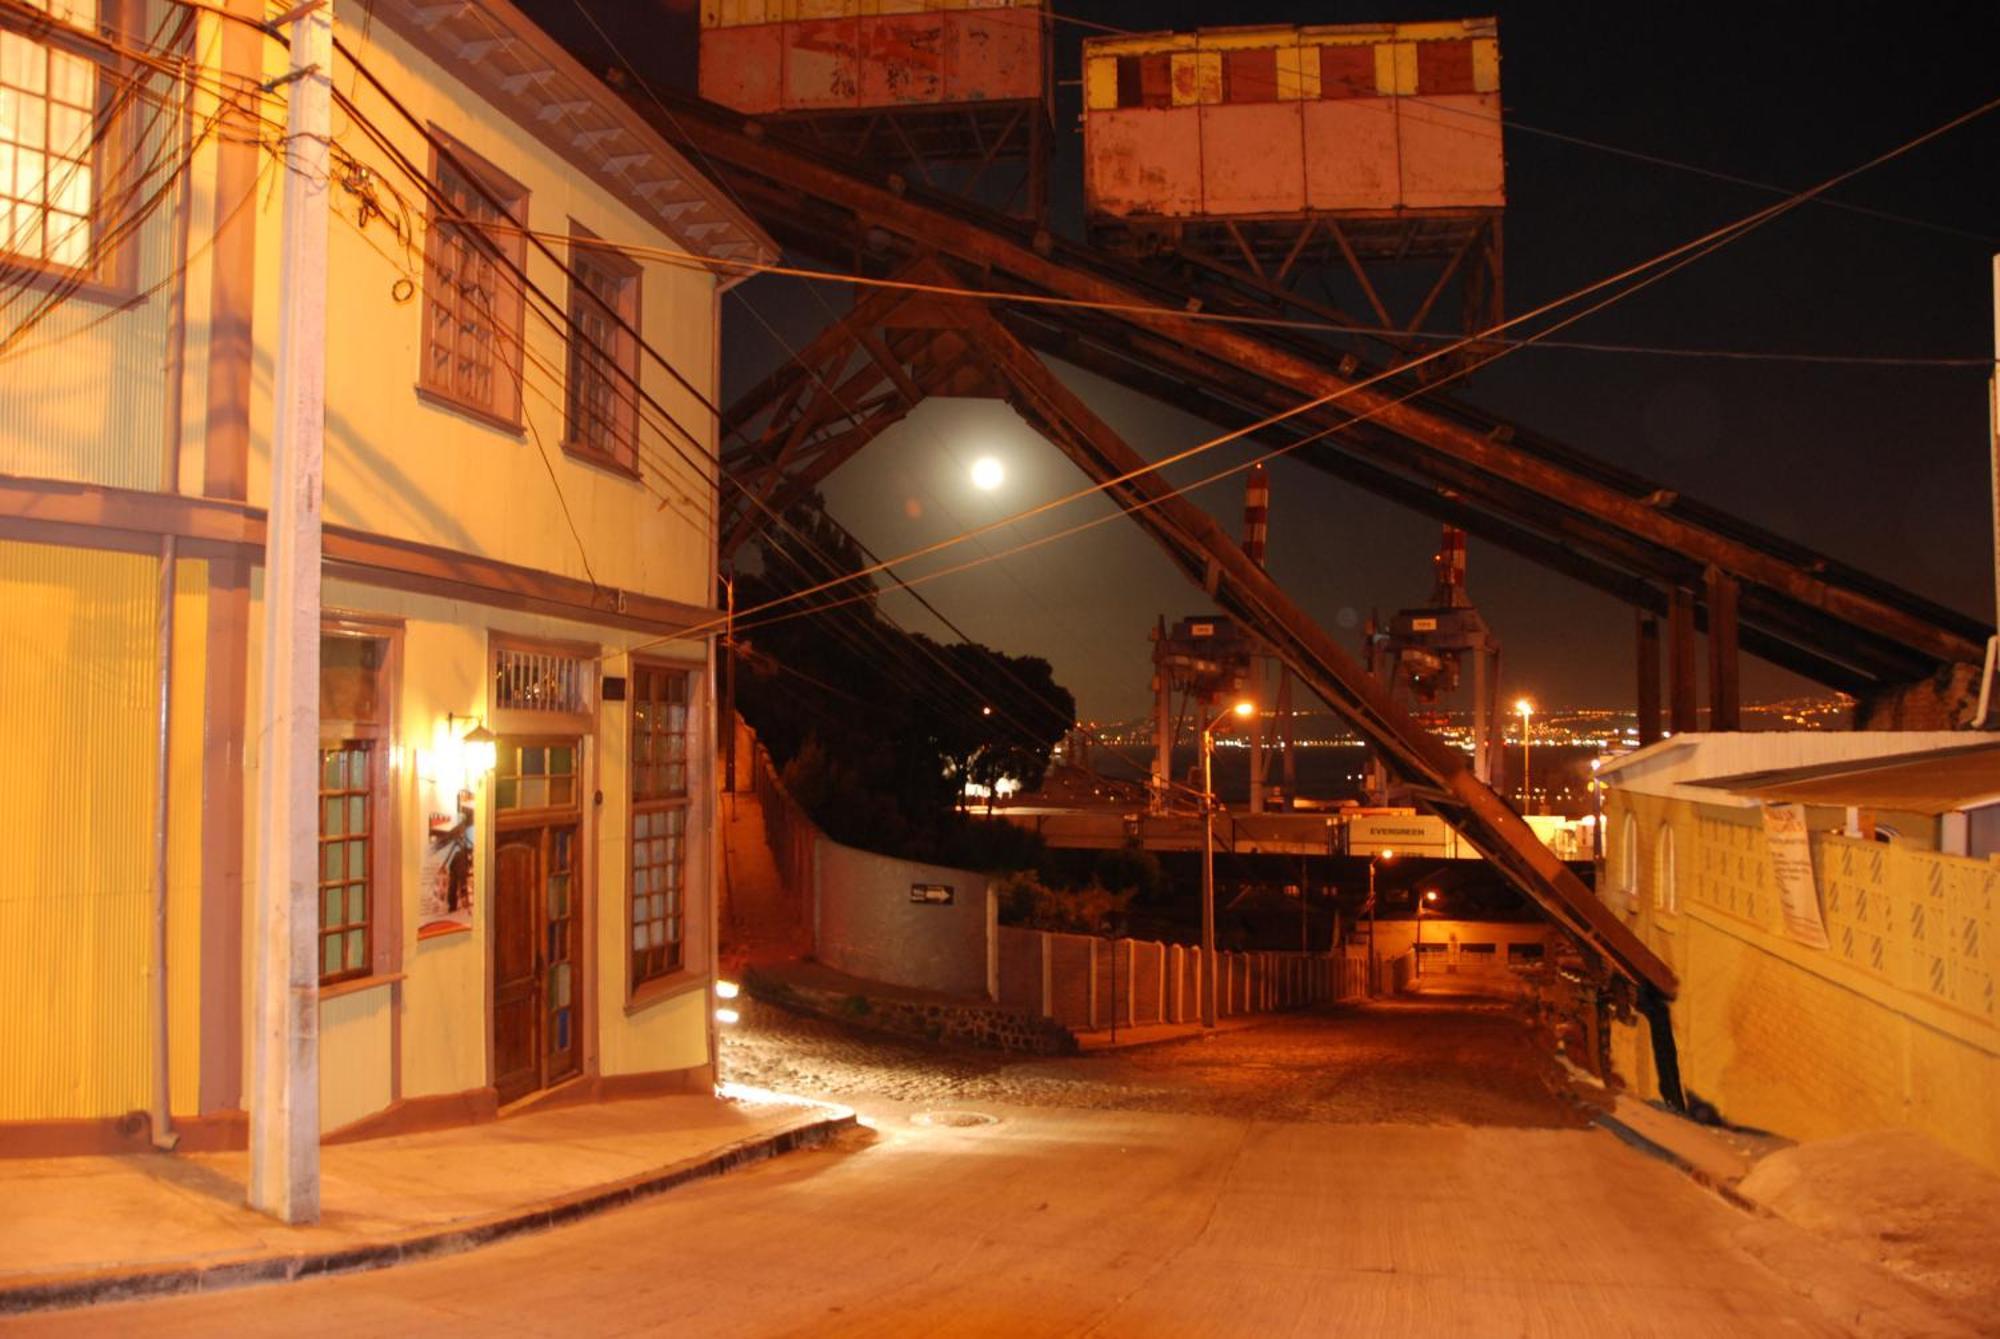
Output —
<point x="1350" y="120"/>
<point x="777" y="57"/>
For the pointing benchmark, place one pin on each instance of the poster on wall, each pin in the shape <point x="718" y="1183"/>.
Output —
<point x="444" y="889"/>
<point x="1792" y="870"/>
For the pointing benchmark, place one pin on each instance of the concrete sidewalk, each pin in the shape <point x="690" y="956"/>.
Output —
<point x="79" y="1230"/>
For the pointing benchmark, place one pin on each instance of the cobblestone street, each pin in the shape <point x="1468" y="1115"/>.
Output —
<point x="1434" y="1062"/>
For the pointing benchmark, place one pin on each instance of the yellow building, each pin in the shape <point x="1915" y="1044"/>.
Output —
<point x="522" y="360"/>
<point x="1830" y="903"/>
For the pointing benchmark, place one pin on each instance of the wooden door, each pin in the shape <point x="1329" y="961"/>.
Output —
<point x="538" y="1007"/>
<point x="517" y="1016"/>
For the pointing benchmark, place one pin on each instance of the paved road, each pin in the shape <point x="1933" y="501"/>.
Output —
<point x="1246" y="1185"/>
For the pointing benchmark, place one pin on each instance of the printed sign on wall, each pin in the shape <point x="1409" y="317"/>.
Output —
<point x="1791" y="869"/>
<point x="933" y="894"/>
<point x="444" y="890"/>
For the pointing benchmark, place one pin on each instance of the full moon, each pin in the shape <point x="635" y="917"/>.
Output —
<point x="987" y="474"/>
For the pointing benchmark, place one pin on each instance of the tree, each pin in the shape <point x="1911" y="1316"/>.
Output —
<point x="879" y="729"/>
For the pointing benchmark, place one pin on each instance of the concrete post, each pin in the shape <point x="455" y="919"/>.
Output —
<point x="284" y="1037"/>
<point x="992" y="945"/>
<point x="1176" y="960"/>
<point x="1048" y="974"/>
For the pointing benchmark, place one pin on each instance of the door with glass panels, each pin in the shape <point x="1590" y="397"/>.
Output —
<point x="537" y="915"/>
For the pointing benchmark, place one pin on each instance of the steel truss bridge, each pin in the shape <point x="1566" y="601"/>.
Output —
<point x="1682" y="565"/>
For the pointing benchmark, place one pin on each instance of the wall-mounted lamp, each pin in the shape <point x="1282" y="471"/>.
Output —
<point x="479" y="747"/>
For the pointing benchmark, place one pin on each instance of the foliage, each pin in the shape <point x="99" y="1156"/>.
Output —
<point x="1093" y="909"/>
<point x="876" y="729"/>
<point x="1133" y="869"/>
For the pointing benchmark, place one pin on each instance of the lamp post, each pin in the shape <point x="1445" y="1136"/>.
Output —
<point x="1208" y="860"/>
<point x="1527" y="710"/>
<point x="1374" y="960"/>
<point x="1428" y="898"/>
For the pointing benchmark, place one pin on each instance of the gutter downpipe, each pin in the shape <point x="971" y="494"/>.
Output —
<point x="1993" y="447"/>
<point x="164" y="1136"/>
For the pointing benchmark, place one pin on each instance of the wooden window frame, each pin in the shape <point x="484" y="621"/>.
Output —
<point x="111" y="274"/>
<point x="511" y="721"/>
<point x="644" y="979"/>
<point x="622" y="358"/>
<point x="509" y="256"/>
<point x="385" y="823"/>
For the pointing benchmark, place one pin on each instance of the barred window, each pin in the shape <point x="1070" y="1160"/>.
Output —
<point x="50" y="110"/>
<point x="473" y="290"/>
<point x="540" y="681"/>
<point x="603" y="357"/>
<point x="660" y="700"/>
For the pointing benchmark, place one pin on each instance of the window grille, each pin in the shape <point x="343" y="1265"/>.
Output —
<point x="547" y="682"/>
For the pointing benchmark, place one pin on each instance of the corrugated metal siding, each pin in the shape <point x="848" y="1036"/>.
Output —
<point x="76" y="687"/>
<point x="84" y="396"/>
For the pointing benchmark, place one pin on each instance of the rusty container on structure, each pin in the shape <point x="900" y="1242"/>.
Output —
<point x="783" y="57"/>
<point x="1349" y="120"/>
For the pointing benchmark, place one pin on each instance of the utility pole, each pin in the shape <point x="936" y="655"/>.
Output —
<point x="284" y="1042"/>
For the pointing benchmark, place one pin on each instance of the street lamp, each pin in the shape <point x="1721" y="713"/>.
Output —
<point x="1208" y="859"/>
<point x="1429" y="900"/>
<point x="1527" y="710"/>
<point x="1374" y="962"/>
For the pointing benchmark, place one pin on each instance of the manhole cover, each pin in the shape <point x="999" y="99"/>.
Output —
<point x="958" y="1120"/>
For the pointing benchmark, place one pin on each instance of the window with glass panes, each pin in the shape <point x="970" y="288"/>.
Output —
<point x="660" y="699"/>
<point x="603" y="358"/>
<point x="48" y="139"/>
<point x="346" y="833"/>
<point x="534" y="776"/>
<point x="472" y="295"/>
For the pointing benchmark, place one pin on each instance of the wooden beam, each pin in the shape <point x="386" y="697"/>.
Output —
<point x="1207" y="555"/>
<point x="1723" y="699"/>
<point x="1680" y="660"/>
<point x="89" y="515"/>
<point x="1649" y="679"/>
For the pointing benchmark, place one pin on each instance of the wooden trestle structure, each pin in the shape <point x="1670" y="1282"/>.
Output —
<point x="1673" y="559"/>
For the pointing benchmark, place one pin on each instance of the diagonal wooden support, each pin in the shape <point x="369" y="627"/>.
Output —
<point x="1442" y="781"/>
<point x="1206" y="554"/>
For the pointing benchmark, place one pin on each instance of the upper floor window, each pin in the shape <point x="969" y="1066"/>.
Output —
<point x="473" y="306"/>
<point x="603" y="394"/>
<point x="51" y="111"/>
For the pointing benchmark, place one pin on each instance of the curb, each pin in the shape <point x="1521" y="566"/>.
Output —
<point x="52" y="1292"/>
<point x="1661" y="1153"/>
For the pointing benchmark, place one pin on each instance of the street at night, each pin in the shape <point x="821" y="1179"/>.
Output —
<point x="1403" y="1170"/>
<point x="999" y="667"/>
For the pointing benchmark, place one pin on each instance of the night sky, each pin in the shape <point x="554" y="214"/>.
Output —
<point x="1886" y="468"/>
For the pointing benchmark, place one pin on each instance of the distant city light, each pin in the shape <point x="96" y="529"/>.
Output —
<point x="988" y="474"/>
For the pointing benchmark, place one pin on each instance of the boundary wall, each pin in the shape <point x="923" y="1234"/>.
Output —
<point x="869" y="919"/>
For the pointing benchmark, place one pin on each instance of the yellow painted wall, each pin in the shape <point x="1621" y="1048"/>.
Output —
<point x="1893" y="1025"/>
<point x="443" y="1015"/>
<point x="77" y="687"/>
<point x="398" y="465"/>
<point x="354" y="1055"/>
<point x="668" y="1033"/>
